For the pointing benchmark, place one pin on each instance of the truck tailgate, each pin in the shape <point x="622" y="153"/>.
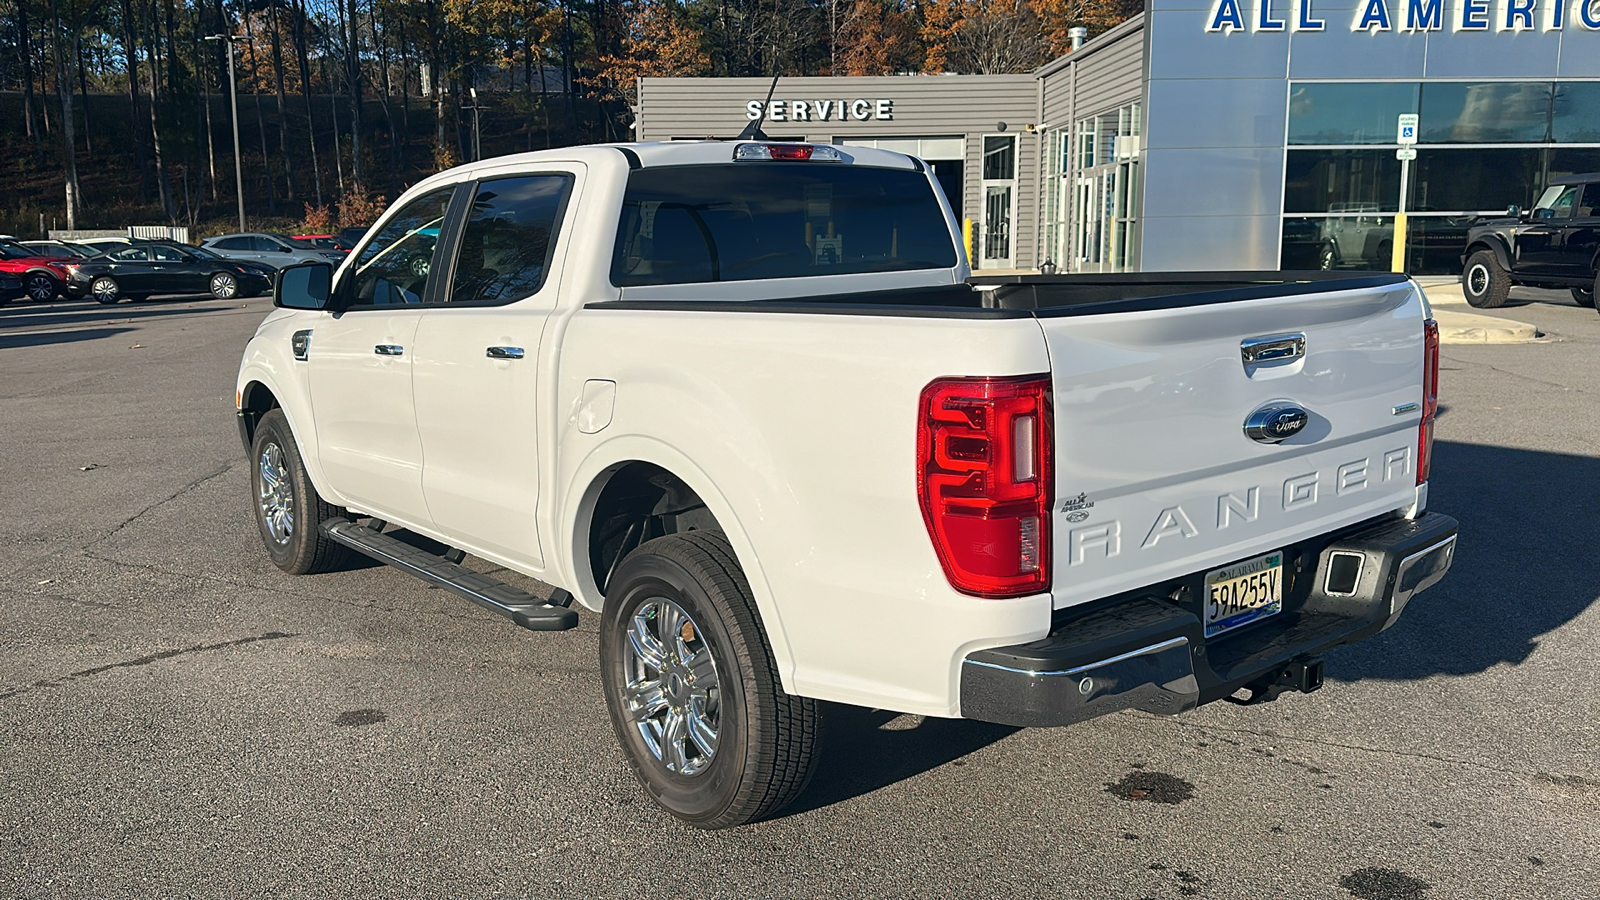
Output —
<point x="1156" y="477"/>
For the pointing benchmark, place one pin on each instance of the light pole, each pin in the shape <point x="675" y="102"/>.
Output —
<point x="233" y="103"/>
<point x="477" y="146"/>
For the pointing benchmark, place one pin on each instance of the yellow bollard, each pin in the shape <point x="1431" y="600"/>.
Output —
<point x="1397" y="261"/>
<point x="966" y="238"/>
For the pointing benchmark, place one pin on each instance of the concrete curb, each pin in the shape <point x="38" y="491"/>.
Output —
<point x="1457" y="326"/>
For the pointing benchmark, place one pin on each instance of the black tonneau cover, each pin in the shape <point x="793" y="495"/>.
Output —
<point x="1025" y="296"/>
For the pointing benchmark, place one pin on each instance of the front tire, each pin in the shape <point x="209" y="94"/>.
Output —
<point x="693" y="690"/>
<point x="1327" y="258"/>
<point x="224" y="286"/>
<point x="1584" y="296"/>
<point x="1484" y="283"/>
<point x="41" y="288"/>
<point x="288" y="510"/>
<point x="105" y="290"/>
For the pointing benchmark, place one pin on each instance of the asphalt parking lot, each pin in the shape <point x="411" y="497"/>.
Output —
<point x="178" y="718"/>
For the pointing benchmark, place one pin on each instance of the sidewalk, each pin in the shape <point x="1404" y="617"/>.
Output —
<point x="1458" y="324"/>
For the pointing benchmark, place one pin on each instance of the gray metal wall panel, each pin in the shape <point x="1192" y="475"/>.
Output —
<point x="1527" y="54"/>
<point x="1396" y="56"/>
<point x="1253" y="115"/>
<point x="1209" y="243"/>
<point x="1218" y="182"/>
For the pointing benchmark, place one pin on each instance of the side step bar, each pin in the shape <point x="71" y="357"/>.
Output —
<point x="519" y="606"/>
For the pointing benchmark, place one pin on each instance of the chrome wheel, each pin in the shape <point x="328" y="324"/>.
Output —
<point x="672" y="692"/>
<point x="420" y="265"/>
<point x="1478" y="280"/>
<point x="41" y="287"/>
<point x="104" y="289"/>
<point x="275" y="494"/>
<point x="224" y="286"/>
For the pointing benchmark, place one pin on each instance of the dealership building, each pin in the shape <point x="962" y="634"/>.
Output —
<point x="1220" y="134"/>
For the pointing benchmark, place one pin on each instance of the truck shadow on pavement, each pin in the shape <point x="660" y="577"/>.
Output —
<point x="53" y="316"/>
<point x="867" y="749"/>
<point x="44" y="338"/>
<point x="1523" y="565"/>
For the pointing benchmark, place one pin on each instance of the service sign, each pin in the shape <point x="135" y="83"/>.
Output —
<point x="822" y="110"/>
<point x="1375" y="16"/>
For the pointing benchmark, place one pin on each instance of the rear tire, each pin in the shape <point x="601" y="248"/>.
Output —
<point x="224" y="286"/>
<point x="105" y="290"/>
<point x="1483" y="282"/>
<point x="1584" y="296"/>
<point x="288" y="511"/>
<point x="693" y="690"/>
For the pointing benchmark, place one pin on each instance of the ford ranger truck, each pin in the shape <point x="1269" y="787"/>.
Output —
<point x="744" y="403"/>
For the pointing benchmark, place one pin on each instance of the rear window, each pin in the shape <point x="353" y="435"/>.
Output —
<point x="750" y="220"/>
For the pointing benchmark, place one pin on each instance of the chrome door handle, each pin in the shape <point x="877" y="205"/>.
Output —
<point x="504" y="352"/>
<point x="389" y="350"/>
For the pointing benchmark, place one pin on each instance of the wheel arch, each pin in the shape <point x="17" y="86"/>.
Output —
<point x="255" y="401"/>
<point x="1495" y="245"/>
<point x="615" y="483"/>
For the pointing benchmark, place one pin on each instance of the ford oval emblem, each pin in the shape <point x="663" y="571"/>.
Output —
<point x="1275" y="423"/>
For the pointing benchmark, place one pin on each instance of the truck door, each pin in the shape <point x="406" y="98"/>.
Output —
<point x="1580" y="240"/>
<point x="361" y="368"/>
<point x="1539" y="243"/>
<point x="478" y="373"/>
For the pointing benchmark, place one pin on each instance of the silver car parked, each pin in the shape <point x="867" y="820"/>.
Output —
<point x="275" y="250"/>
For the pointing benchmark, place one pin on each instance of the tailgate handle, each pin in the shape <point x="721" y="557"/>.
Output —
<point x="1278" y="348"/>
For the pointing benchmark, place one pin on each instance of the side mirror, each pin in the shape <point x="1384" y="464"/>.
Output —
<point x="306" y="285"/>
<point x="1514" y="211"/>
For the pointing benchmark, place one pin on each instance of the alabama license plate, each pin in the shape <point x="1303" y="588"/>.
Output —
<point x="1243" y="593"/>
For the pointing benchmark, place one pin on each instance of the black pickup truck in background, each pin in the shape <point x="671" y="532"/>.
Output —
<point x="1557" y="245"/>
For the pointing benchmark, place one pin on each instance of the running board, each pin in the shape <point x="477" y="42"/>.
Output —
<point x="517" y="605"/>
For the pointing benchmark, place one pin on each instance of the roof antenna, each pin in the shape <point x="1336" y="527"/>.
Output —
<point x="753" y="132"/>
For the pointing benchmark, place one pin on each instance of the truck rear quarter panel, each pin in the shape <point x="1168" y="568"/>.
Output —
<point x="800" y="433"/>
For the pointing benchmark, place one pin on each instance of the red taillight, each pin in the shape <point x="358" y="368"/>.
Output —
<point x="789" y="151"/>
<point x="984" y="482"/>
<point x="1430" y="399"/>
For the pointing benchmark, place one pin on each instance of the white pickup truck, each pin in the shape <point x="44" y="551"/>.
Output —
<point x="745" y="403"/>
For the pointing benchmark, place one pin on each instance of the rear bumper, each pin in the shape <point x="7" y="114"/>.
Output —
<point x="1151" y="653"/>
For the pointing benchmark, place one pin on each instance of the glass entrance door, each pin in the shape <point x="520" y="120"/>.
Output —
<point x="995" y="247"/>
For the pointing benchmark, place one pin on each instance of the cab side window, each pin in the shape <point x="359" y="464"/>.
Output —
<point x="166" y="254"/>
<point x="393" y="268"/>
<point x="1562" y="207"/>
<point x="1589" y="206"/>
<point x="509" y="235"/>
<point x="132" y="254"/>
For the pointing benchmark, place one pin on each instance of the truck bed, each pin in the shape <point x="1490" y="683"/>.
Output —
<point x="1023" y="296"/>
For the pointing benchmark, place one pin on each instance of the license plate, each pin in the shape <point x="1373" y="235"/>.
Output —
<point x="1243" y="593"/>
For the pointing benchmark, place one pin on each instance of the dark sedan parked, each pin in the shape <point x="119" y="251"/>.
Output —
<point x="161" y="267"/>
<point x="10" y="288"/>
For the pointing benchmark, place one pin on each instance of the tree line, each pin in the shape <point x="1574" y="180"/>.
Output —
<point x="122" y="106"/>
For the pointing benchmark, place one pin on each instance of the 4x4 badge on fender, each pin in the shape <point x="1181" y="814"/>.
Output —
<point x="1275" y="422"/>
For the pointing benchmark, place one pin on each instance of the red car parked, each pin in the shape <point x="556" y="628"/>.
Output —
<point x="42" y="276"/>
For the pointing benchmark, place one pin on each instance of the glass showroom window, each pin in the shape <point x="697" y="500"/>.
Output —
<point x="1106" y="192"/>
<point x="1484" y="146"/>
